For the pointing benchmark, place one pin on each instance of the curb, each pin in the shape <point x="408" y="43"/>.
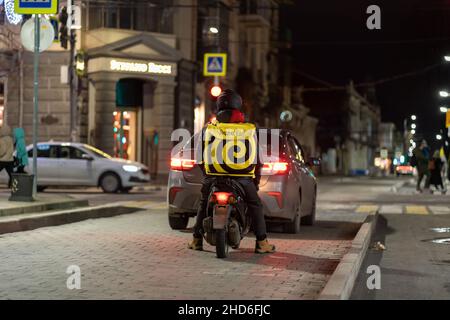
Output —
<point x="46" y="206"/>
<point x="341" y="282"/>
<point x="40" y="220"/>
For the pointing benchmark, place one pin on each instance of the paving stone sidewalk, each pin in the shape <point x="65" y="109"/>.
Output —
<point x="138" y="256"/>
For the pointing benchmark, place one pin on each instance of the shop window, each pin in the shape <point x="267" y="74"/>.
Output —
<point x="128" y="141"/>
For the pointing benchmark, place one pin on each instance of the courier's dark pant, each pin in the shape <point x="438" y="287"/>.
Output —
<point x="251" y="198"/>
<point x="9" y="167"/>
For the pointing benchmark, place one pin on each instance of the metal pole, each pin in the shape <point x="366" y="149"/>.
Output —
<point x="35" y="98"/>
<point x="121" y="135"/>
<point x="72" y="86"/>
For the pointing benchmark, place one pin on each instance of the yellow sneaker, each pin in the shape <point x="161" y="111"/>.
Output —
<point x="196" y="244"/>
<point x="264" y="247"/>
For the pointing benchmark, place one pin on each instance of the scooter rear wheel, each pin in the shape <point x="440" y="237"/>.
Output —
<point x="221" y="244"/>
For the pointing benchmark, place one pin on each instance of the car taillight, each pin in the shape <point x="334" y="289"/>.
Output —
<point x="181" y="164"/>
<point x="271" y="168"/>
<point x="222" y="198"/>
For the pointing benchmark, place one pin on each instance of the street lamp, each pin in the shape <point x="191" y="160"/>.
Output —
<point x="443" y="93"/>
<point x="438" y="137"/>
<point x="213" y="30"/>
<point x="413" y="126"/>
<point x="413" y="117"/>
<point x="443" y="109"/>
<point x="447" y="58"/>
<point x="413" y="131"/>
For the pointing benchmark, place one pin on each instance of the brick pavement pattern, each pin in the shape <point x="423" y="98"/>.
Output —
<point x="138" y="256"/>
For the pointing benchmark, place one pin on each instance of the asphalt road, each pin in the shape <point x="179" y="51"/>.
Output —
<point x="416" y="261"/>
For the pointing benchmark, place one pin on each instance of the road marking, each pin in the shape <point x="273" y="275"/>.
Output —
<point x="336" y="206"/>
<point x="367" y="209"/>
<point x="394" y="209"/>
<point x="439" y="209"/>
<point x="417" y="210"/>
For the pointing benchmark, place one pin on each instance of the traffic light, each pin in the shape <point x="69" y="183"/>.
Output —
<point x="215" y="91"/>
<point x="63" y="30"/>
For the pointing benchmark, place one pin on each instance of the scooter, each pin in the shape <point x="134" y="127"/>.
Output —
<point x="226" y="221"/>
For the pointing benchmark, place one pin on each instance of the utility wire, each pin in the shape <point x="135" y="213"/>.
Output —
<point x="374" y="83"/>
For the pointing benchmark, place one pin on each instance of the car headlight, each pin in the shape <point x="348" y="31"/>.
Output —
<point x="130" y="168"/>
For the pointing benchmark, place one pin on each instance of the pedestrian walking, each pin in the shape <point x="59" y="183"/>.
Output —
<point x="21" y="150"/>
<point x="436" y="165"/>
<point x="6" y="151"/>
<point x="422" y="156"/>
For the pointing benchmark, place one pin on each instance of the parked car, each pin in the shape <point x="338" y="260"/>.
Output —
<point x="404" y="170"/>
<point x="288" y="188"/>
<point x="78" y="164"/>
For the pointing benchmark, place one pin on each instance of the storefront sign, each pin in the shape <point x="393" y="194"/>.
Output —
<point x="132" y="66"/>
<point x="150" y="67"/>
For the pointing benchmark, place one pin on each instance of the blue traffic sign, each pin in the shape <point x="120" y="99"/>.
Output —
<point x="36" y="6"/>
<point x="215" y="64"/>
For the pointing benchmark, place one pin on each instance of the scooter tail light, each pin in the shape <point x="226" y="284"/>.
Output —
<point x="222" y="198"/>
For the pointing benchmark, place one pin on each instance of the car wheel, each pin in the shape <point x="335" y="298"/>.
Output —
<point x="41" y="188"/>
<point x="110" y="183"/>
<point x="294" y="226"/>
<point x="178" y="223"/>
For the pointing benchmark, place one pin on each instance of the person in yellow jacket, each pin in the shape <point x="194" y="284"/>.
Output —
<point x="229" y="104"/>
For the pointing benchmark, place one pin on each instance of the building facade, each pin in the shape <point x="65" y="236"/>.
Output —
<point x="139" y="73"/>
<point x="348" y="129"/>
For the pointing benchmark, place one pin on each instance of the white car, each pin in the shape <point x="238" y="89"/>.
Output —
<point x="79" y="164"/>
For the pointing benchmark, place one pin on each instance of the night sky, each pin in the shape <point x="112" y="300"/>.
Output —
<point x="332" y="43"/>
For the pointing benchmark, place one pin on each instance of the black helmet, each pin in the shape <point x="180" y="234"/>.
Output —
<point x="228" y="100"/>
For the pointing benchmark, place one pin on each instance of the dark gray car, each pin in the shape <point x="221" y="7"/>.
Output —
<point x="288" y="188"/>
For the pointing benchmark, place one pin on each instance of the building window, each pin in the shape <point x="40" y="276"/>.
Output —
<point x="111" y="17"/>
<point x="262" y="8"/>
<point x="140" y="15"/>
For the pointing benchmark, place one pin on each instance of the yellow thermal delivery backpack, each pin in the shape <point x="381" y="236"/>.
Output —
<point x="230" y="149"/>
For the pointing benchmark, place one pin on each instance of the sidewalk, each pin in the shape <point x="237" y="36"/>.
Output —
<point x="43" y="202"/>
<point x="55" y="209"/>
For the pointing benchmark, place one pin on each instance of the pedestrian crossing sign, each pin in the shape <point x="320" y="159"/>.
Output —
<point x="215" y="64"/>
<point x="36" y="6"/>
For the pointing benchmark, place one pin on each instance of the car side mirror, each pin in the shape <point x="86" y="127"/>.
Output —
<point x="87" y="157"/>
<point x="314" y="162"/>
